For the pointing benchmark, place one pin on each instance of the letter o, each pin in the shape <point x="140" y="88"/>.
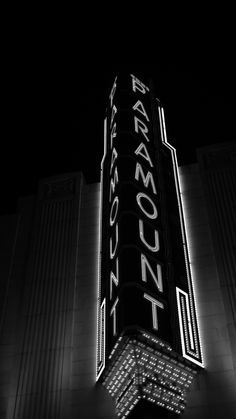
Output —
<point x="115" y="201"/>
<point x="143" y="195"/>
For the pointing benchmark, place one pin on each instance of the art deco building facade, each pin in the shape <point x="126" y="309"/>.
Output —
<point x="50" y="301"/>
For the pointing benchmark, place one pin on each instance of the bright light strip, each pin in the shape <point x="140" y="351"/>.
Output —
<point x="193" y="272"/>
<point x="155" y="303"/>
<point x="180" y="292"/>
<point x="139" y="369"/>
<point x="194" y="329"/>
<point x="101" y="361"/>
<point x="98" y="284"/>
<point x="101" y="307"/>
<point x="99" y="369"/>
<point x="113" y="310"/>
<point x="104" y="144"/>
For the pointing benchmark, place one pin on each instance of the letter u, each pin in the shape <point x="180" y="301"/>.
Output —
<point x="154" y="248"/>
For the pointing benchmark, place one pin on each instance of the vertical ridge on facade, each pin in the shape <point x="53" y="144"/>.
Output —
<point x="49" y="276"/>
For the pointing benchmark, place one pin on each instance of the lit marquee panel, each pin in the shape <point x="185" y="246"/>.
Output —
<point x="146" y="307"/>
<point x="145" y="370"/>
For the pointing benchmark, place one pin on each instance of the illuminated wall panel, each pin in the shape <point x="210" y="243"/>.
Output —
<point x="218" y="172"/>
<point x="145" y="284"/>
<point x="44" y="275"/>
<point x="213" y="393"/>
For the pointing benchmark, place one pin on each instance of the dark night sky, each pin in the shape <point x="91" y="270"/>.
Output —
<point x="54" y="102"/>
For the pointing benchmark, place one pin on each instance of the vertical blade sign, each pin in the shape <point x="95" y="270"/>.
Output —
<point x="146" y="304"/>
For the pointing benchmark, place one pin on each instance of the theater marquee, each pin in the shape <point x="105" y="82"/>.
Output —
<point x="148" y="341"/>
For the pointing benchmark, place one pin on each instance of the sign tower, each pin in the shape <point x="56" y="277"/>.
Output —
<point x="148" y="345"/>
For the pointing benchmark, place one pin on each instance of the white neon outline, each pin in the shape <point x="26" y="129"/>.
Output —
<point x="113" y="159"/>
<point x="192" y="305"/>
<point x="113" y="114"/>
<point x="141" y="235"/>
<point x="141" y="126"/>
<point x="189" y="324"/>
<point x="155" y="213"/>
<point x="142" y="111"/>
<point x="157" y="279"/>
<point x="184" y="338"/>
<point x="145" y="156"/>
<point x="114" y="277"/>
<point x="138" y="82"/>
<point x="176" y="176"/>
<point x="113" y="91"/>
<point x="113" y="183"/>
<point x="146" y="179"/>
<point x="101" y="360"/>
<point x="112" y="253"/>
<point x="116" y="199"/>
<point x="155" y="303"/>
<point x="98" y="373"/>
<point x="113" y="310"/>
<point x="113" y="134"/>
<point x="104" y="147"/>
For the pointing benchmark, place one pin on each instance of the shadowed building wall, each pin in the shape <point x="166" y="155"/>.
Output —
<point x="40" y="301"/>
<point x="49" y="303"/>
<point x="208" y="193"/>
<point x="48" y="285"/>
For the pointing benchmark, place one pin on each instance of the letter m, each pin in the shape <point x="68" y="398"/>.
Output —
<point x="113" y="183"/>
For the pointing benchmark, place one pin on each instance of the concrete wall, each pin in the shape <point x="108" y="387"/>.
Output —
<point x="15" y="234"/>
<point x="88" y="400"/>
<point x="77" y="395"/>
<point x="213" y="394"/>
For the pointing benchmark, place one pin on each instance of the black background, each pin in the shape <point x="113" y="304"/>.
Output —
<point x="57" y="73"/>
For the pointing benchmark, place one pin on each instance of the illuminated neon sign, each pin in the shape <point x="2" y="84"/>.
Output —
<point x="145" y="289"/>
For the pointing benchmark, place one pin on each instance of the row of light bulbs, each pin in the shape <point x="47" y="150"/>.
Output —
<point x="135" y="355"/>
